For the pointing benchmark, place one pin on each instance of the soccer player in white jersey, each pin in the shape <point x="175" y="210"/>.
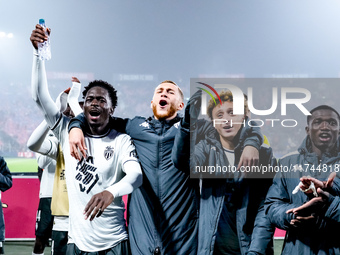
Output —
<point x="96" y="183"/>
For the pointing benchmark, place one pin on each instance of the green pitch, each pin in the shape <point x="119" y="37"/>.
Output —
<point x="22" y="165"/>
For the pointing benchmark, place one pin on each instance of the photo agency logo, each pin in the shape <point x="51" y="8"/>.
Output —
<point x="280" y="99"/>
<point x="278" y="108"/>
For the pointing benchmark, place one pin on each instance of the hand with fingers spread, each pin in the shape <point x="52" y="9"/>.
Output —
<point x="98" y="203"/>
<point x="308" y="213"/>
<point x="312" y="206"/>
<point x="320" y="184"/>
<point x="304" y="222"/>
<point x="309" y="185"/>
<point x="250" y="157"/>
<point x="75" y="79"/>
<point x="306" y="182"/>
<point x="77" y="143"/>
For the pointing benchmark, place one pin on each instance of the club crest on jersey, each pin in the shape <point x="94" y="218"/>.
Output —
<point x="144" y="124"/>
<point x="108" y="153"/>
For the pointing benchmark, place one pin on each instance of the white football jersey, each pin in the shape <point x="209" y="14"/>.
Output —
<point x="102" y="168"/>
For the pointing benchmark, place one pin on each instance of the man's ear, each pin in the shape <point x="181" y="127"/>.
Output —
<point x="307" y="129"/>
<point x="112" y="110"/>
<point x="180" y="106"/>
<point x="151" y="104"/>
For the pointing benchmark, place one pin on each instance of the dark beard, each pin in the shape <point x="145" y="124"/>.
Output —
<point x="171" y="111"/>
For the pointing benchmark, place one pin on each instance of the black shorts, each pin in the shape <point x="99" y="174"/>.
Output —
<point x="59" y="242"/>
<point x="120" y="249"/>
<point x="44" y="221"/>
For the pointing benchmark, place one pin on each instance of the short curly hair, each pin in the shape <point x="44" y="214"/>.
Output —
<point x="225" y="96"/>
<point x="105" y="85"/>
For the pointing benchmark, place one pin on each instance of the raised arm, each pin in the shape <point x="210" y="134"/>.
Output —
<point x="185" y="140"/>
<point x="39" y="88"/>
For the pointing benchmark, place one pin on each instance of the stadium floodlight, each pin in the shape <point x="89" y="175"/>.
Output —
<point x="6" y="35"/>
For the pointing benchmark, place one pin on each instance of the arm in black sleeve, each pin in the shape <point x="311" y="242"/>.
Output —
<point x="5" y="176"/>
<point x="80" y="121"/>
<point x="181" y="149"/>
<point x="77" y="122"/>
<point x="332" y="214"/>
<point x="185" y="138"/>
<point x="278" y="202"/>
<point x="263" y="232"/>
<point x="251" y="135"/>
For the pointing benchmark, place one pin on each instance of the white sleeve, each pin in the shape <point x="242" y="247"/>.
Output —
<point x="61" y="102"/>
<point x="73" y="98"/>
<point x="43" y="161"/>
<point x="40" y="93"/>
<point x="37" y="142"/>
<point x="44" y="144"/>
<point x="132" y="180"/>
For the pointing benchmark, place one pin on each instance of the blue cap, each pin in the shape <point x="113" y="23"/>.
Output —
<point x="41" y="21"/>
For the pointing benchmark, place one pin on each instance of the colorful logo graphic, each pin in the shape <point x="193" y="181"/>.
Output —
<point x="209" y="93"/>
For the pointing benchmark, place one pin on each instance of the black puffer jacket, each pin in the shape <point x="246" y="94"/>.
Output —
<point x="255" y="233"/>
<point x="319" y="238"/>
